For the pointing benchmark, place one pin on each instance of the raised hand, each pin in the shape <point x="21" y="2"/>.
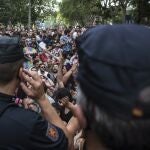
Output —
<point x="36" y="88"/>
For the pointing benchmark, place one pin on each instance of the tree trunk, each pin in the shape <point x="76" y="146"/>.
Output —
<point x="124" y="12"/>
<point x="139" y="11"/>
<point x="29" y="15"/>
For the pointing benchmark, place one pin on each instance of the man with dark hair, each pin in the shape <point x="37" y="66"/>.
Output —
<point x="61" y="93"/>
<point x="19" y="128"/>
<point x="114" y="78"/>
<point x="8" y="74"/>
<point x="59" y="96"/>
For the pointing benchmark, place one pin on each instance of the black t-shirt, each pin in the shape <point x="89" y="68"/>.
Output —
<point x="22" y="129"/>
<point x="66" y="117"/>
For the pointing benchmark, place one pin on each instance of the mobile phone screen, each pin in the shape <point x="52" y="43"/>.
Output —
<point x="25" y="65"/>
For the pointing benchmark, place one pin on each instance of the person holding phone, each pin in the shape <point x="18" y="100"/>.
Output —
<point x="20" y="128"/>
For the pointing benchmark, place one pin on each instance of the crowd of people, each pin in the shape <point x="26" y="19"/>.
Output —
<point x="76" y="88"/>
<point x="53" y="55"/>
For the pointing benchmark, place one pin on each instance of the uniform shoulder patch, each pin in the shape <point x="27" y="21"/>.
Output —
<point x="52" y="133"/>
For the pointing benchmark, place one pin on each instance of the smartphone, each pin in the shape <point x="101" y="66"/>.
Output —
<point x="26" y="66"/>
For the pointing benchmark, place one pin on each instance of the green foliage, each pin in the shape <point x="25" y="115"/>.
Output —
<point x="142" y="11"/>
<point x="82" y="12"/>
<point x="86" y="12"/>
<point x="16" y="11"/>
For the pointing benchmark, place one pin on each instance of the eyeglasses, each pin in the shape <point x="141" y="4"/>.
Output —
<point x="42" y="67"/>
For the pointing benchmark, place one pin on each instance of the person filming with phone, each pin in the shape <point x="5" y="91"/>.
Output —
<point x="20" y="128"/>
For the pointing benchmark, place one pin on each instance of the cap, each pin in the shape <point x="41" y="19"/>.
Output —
<point x="114" y="69"/>
<point x="10" y="49"/>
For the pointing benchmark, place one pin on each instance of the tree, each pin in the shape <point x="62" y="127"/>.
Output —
<point x="16" y="11"/>
<point x="85" y="11"/>
<point x="81" y="11"/>
<point x="142" y="11"/>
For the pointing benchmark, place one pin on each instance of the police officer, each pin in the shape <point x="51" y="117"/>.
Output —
<point x="19" y="128"/>
<point x="114" y="78"/>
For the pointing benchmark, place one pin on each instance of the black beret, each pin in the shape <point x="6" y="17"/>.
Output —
<point x="10" y="49"/>
<point x="114" y="68"/>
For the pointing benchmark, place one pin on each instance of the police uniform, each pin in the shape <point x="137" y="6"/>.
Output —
<point x="22" y="129"/>
<point x="114" y="75"/>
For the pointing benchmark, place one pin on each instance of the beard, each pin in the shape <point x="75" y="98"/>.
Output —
<point x="42" y="71"/>
<point x="55" y="71"/>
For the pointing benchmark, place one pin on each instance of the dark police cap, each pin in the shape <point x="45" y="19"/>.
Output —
<point x="10" y="49"/>
<point x="114" y="69"/>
